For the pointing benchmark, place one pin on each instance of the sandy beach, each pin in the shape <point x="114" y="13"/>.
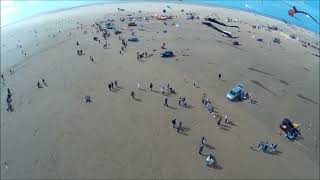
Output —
<point x="53" y="133"/>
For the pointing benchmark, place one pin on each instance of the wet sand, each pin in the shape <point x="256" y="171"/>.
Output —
<point x="53" y="133"/>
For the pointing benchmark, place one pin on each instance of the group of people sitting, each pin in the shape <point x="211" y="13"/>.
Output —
<point x="264" y="146"/>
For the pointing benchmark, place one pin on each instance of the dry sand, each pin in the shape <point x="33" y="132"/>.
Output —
<point x="52" y="133"/>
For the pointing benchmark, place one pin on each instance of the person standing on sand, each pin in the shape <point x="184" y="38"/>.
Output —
<point x="2" y="77"/>
<point x="132" y="94"/>
<point x="10" y="108"/>
<point x="9" y="100"/>
<point x="219" y="76"/>
<point x="201" y="149"/>
<point x="151" y="86"/>
<point x="226" y="119"/>
<point x="203" y="140"/>
<point x="77" y="43"/>
<point x="9" y="92"/>
<point x="39" y="85"/>
<point x="138" y="84"/>
<point x="109" y="86"/>
<point x="112" y="85"/>
<point x="116" y="83"/>
<point x="44" y="82"/>
<point x="174" y="121"/>
<point x="179" y="100"/>
<point x="162" y="90"/>
<point x="166" y="101"/>
<point x="11" y="72"/>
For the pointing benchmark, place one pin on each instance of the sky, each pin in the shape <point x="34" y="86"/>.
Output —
<point x="15" y="10"/>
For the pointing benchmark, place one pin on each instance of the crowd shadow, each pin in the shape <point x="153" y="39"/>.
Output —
<point x="232" y="123"/>
<point x="276" y="152"/>
<point x="299" y="138"/>
<point x="189" y="106"/>
<point x="185" y="129"/>
<point x="119" y="87"/>
<point x="113" y="90"/>
<point x="171" y="107"/>
<point x="183" y="133"/>
<point x="155" y="91"/>
<point x="224" y="127"/>
<point x="137" y="99"/>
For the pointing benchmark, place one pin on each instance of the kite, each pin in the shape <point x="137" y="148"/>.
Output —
<point x="294" y="11"/>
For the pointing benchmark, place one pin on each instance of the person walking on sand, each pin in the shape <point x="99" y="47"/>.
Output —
<point x="116" y="83"/>
<point x="219" y="76"/>
<point x="138" y="84"/>
<point x="151" y="86"/>
<point x="109" y="86"/>
<point x="112" y="85"/>
<point x="2" y="77"/>
<point x="179" y="127"/>
<point x="166" y="101"/>
<point x="132" y="94"/>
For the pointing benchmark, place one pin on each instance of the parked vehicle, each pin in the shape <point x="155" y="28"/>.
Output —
<point x="288" y="127"/>
<point x="133" y="39"/>
<point x="235" y="92"/>
<point x="166" y="54"/>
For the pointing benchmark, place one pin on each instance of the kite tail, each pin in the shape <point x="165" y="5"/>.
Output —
<point x="309" y="16"/>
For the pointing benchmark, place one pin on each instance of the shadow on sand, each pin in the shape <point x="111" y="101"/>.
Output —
<point x="209" y="146"/>
<point x="276" y="152"/>
<point x="185" y="129"/>
<point x="119" y="87"/>
<point x="171" y="107"/>
<point x="137" y="99"/>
